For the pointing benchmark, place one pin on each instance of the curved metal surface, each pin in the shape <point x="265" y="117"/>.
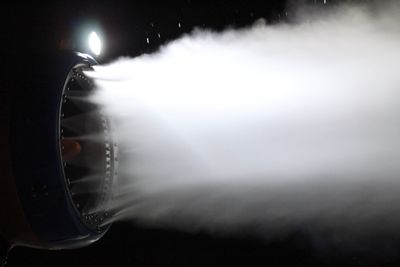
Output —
<point x="38" y="164"/>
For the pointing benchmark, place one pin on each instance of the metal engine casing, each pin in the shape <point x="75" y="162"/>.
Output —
<point x="37" y="207"/>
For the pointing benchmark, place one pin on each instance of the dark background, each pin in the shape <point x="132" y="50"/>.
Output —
<point x="31" y="32"/>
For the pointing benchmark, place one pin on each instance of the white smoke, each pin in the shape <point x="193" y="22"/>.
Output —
<point x="271" y="127"/>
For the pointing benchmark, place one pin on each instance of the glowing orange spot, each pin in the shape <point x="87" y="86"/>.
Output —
<point x="70" y="149"/>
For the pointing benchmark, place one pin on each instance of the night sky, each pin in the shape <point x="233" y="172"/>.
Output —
<point x="31" y="32"/>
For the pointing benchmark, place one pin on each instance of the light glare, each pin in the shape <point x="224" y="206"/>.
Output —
<point x="95" y="43"/>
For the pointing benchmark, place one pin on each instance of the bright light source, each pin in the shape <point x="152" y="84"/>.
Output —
<point x="95" y="43"/>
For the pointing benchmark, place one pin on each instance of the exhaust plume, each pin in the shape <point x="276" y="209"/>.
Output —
<point x="268" y="128"/>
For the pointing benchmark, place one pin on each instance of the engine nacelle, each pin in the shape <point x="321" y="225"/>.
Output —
<point x="57" y="158"/>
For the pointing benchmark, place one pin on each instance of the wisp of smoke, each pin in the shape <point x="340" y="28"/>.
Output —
<point x="267" y="127"/>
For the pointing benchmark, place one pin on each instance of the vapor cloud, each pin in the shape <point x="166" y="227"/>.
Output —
<point x="267" y="127"/>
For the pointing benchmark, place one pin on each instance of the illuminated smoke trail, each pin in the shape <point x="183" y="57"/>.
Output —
<point x="270" y="127"/>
